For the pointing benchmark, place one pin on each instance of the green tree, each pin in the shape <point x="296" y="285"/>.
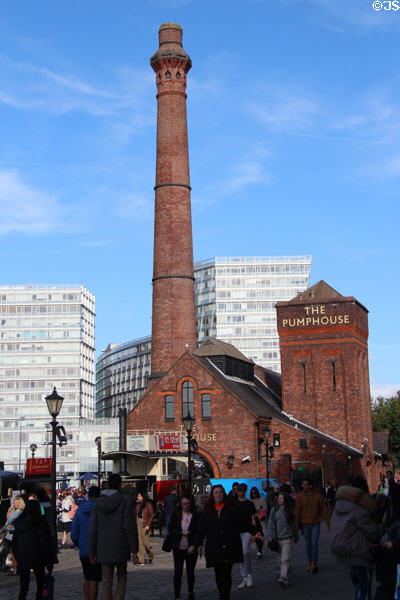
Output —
<point x="386" y="417"/>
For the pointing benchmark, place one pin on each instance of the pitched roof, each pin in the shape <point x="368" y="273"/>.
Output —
<point x="261" y="400"/>
<point x="319" y="292"/>
<point x="214" y="347"/>
<point x="381" y="442"/>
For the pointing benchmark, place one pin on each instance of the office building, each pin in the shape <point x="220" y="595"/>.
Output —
<point x="236" y="297"/>
<point x="235" y="302"/>
<point x="46" y="340"/>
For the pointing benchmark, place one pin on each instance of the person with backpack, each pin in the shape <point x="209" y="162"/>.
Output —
<point x="80" y="538"/>
<point x="353" y="531"/>
<point x="282" y="528"/>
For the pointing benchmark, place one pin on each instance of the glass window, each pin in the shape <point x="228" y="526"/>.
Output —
<point x="187" y="399"/>
<point x="169" y="408"/>
<point x="206" y="406"/>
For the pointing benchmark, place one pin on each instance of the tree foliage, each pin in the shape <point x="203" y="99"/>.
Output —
<point x="386" y="417"/>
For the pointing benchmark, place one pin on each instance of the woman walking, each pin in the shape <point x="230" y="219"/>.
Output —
<point x="353" y="530"/>
<point x="220" y="526"/>
<point x="260" y="505"/>
<point x="66" y="515"/>
<point x="13" y="513"/>
<point x="144" y="515"/>
<point x="32" y="546"/>
<point x="282" y="527"/>
<point x="182" y="529"/>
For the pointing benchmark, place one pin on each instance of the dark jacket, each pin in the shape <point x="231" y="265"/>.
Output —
<point x="175" y="529"/>
<point x="33" y="544"/>
<point x="113" y="530"/>
<point x="353" y="528"/>
<point x="223" y="543"/>
<point x="80" y="527"/>
<point x="171" y="503"/>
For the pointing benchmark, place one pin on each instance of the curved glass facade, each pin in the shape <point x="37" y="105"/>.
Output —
<point x="122" y="372"/>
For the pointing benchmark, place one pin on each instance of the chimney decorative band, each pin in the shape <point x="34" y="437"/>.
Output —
<point x="185" y="185"/>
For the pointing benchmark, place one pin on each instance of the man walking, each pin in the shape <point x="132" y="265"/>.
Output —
<point x="248" y="529"/>
<point x="80" y="538"/>
<point x="310" y="510"/>
<point x="113" y="537"/>
<point x="171" y="503"/>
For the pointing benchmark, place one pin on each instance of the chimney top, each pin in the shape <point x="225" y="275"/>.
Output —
<point x="170" y="33"/>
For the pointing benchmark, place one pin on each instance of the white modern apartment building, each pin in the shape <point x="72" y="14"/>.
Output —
<point x="235" y="302"/>
<point x="236" y="297"/>
<point x="46" y="340"/>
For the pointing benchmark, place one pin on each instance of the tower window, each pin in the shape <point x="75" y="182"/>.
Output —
<point x="167" y="75"/>
<point x="304" y="377"/>
<point x="187" y="399"/>
<point x="333" y="364"/>
<point x="169" y="408"/>
<point x="206" y="406"/>
<point x="178" y="75"/>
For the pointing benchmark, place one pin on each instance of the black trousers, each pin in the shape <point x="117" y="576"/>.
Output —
<point x="223" y="577"/>
<point x="24" y="582"/>
<point x="180" y="557"/>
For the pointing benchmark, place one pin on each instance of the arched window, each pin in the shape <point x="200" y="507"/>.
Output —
<point x="187" y="399"/>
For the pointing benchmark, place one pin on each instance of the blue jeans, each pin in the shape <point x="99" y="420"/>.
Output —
<point x="311" y="536"/>
<point x="361" y="578"/>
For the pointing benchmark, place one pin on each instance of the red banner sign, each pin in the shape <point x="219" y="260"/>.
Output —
<point x="38" y="466"/>
<point x="169" y="442"/>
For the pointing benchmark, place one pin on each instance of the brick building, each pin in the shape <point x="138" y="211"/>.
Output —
<point x="315" y="419"/>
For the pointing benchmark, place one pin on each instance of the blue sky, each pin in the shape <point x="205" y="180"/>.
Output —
<point x="294" y="141"/>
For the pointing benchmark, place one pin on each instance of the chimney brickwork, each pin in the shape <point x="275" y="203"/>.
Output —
<point x="174" y="316"/>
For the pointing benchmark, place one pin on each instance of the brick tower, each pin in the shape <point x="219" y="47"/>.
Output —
<point x="324" y="355"/>
<point x="174" y="316"/>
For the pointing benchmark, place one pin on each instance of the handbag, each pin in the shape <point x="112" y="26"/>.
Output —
<point x="262" y="514"/>
<point x="167" y="544"/>
<point x="274" y="544"/>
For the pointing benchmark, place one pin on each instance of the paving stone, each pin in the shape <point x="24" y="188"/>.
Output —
<point x="155" y="581"/>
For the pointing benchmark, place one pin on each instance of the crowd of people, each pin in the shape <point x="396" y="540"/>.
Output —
<point x="115" y="525"/>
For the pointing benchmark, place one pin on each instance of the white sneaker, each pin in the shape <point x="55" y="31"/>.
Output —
<point x="242" y="584"/>
<point x="249" y="581"/>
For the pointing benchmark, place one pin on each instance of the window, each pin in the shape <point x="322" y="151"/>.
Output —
<point x="187" y="399"/>
<point x="333" y="375"/>
<point x="304" y="377"/>
<point x="169" y="408"/>
<point x="206" y="406"/>
<point x="303" y="443"/>
<point x="277" y="440"/>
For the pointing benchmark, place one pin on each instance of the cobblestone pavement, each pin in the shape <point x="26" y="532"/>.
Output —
<point x="155" y="581"/>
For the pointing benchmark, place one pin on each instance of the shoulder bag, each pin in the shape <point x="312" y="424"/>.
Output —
<point x="274" y="544"/>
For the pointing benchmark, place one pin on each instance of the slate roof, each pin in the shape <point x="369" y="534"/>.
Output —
<point x="263" y="402"/>
<point x="319" y="292"/>
<point x="381" y="442"/>
<point x="215" y="347"/>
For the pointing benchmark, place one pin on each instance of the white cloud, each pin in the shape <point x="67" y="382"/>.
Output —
<point x="34" y="87"/>
<point x="285" y="110"/>
<point x="385" y="390"/>
<point x="134" y="207"/>
<point x="25" y="209"/>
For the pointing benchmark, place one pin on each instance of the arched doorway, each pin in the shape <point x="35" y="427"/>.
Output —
<point x="205" y="468"/>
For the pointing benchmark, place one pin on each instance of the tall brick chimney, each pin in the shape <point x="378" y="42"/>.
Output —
<point x="174" y="316"/>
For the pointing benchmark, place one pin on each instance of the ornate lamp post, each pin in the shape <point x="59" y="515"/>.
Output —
<point x="54" y="404"/>
<point x="97" y="441"/>
<point x="188" y="422"/>
<point x="33" y="448"/>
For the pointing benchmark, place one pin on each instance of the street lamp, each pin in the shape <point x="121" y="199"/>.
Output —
<point x="267" y="433"/>
<point x="54" y="404"/>
<point x="33" y="448"/>
<point x="188" y="422"/>
<point x="97" y="441"/>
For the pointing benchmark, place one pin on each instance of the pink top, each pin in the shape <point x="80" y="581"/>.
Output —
<point x="186" y="518"/>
